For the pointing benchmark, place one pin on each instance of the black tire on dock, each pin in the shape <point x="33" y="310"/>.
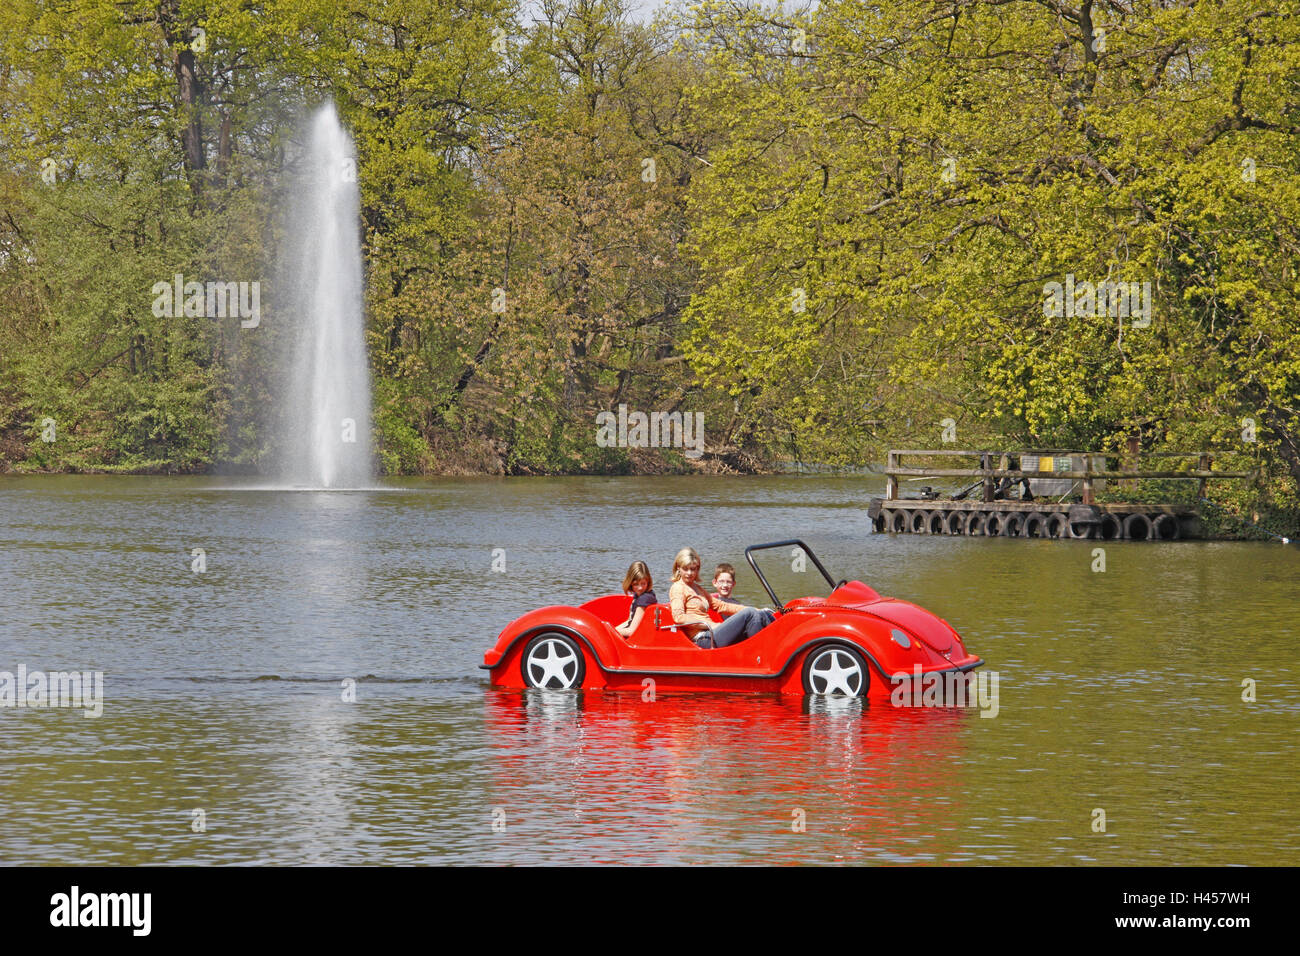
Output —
<point x="1057" y="526"/>
<point x="993" y="523"/>
<point x="1013" y="525"/>
<point x="918" y="522"/>
<point x="1166" y="528"/>
<point x="975" y="524"/>
<point x="1035" y="525"/>
<point x="954" y="522"/>
<point x="934" y="522"/>
<point x="895" y="521"/>
<point x="1082" y="521"/>
<point x="1138" y="527"/>
<point x="1110" y="527"/>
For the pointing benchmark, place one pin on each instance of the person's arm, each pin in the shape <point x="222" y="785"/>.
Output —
<point x="628" y="629"/>
<point x="724" y="607"/>
<point x="677" y="602"/>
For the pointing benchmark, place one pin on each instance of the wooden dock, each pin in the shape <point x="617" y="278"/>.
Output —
<point x="1039" y="494"/>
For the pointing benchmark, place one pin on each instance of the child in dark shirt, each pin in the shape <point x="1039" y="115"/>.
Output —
<point x="637" y="582"/>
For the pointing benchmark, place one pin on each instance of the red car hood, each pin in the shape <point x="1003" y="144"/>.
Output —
<point x="920" y="623"/>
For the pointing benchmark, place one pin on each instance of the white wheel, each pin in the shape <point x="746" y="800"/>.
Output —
<point x="834" y="671"/>
<point x="553" y="661"/>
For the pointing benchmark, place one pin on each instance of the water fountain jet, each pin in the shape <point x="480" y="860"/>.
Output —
<point x="325" y="404"/>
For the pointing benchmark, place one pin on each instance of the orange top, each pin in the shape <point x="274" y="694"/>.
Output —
<point x="690" y="606"/>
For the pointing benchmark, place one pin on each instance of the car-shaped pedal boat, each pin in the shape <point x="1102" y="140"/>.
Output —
<point x="853" y="642"/>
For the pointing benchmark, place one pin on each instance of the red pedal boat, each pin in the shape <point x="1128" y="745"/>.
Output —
<point x="852" y="642"/>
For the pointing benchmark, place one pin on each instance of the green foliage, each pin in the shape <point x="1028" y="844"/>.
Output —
<point x="924" y="177"/>
<point x="830" y="229"/>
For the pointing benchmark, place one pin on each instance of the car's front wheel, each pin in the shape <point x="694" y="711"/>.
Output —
<point x="835" y="670"/>
<point x="553" y="661"/>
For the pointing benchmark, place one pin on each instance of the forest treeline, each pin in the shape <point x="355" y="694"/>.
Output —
<point x="830" y="229"/>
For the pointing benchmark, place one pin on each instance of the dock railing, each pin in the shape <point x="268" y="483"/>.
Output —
<point x="895" y="469"/>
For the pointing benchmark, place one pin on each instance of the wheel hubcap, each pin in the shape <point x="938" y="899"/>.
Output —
<point x="553" y="663"/>
<point x="835" y="671"/>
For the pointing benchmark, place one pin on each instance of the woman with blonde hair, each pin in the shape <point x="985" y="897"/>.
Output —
<point x="691" y="604"/>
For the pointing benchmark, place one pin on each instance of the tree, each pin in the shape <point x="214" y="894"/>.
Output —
<point x="925" y="173"/>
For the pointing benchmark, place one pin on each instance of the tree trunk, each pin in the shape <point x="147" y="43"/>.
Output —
<point x="191" y="91"/>
<point x="225" y="149"/>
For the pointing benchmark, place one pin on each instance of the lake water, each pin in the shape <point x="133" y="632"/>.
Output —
<point x="1119" y="691"/>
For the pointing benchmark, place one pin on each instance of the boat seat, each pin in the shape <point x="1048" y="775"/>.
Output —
<point x="614" y="609"/>
<point x="667" y="634"/>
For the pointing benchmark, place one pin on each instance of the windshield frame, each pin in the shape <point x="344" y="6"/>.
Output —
<point x="749" y="556"/>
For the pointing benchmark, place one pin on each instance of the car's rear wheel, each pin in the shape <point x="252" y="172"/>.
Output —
<point x="835" y="670"/>
<point x="553" y="661"/>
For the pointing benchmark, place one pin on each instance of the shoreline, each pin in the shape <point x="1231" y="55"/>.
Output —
<point x="1221" y="522"/>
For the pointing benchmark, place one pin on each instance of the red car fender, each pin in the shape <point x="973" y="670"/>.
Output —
<point x="869" y="636"/>
<point x="601" y="646"/>
<point x="823" y="629"/>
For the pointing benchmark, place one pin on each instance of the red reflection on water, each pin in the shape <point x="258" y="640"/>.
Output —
<point x="737" y="771"/>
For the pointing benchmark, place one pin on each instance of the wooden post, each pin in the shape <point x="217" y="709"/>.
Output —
<point x="1202" y="464"/>
<point x="1087" y="479"/>
<point x="891" y="482"/>
<point x="1134" y="454"/>
<point x="986" y="462"/>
